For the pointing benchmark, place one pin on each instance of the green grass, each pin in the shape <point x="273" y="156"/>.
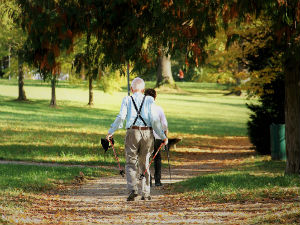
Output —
<point x="28" y="178"/>
<point x="254" y="180"/>
<point x="71" y="132"/>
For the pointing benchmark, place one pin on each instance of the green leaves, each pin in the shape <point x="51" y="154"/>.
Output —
<point x="121" y="26"/>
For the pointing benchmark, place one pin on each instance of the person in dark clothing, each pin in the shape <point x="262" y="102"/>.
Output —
<point x="158" y="141"/>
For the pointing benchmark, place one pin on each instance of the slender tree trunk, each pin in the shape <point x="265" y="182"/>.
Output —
<point x="53" y="95"/>
<point x="22" y="95"/>
<point x="9" y="52"/>
<point x="292" y="117"/>
<point x="164" y="72"/>
<point x="91" y="95"/>
<point x="89" y="74"/>
<point x="1" y="66"/>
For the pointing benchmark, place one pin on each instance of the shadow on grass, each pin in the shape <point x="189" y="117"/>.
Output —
<point x="266" y="166"/>
<point x="59" y="154"/>
<point x="41" y="83"/>
<point x="39" y="111"/>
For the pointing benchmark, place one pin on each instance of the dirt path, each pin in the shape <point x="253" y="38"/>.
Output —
<point x="103" y="201"/>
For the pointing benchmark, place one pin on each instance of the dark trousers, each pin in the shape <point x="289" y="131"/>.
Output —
<point x="157" y="161"/>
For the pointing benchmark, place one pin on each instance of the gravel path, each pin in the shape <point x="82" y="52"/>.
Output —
<point x="103" y="201"/>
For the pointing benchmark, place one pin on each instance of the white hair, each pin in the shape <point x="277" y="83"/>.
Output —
<point x="138" y="84"/>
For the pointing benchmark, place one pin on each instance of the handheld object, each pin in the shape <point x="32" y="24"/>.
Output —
<point x="122" y="172"/>
<point x="110" y="144"/>
<point x="105" y="143"/>
<point x="143" y="174"/>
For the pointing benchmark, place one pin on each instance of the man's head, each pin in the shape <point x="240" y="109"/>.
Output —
<point x="137" y="85"/>
<point x="150" y="92"/>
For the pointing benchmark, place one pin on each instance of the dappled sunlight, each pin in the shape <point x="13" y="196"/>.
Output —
<point x="72" y="154"/>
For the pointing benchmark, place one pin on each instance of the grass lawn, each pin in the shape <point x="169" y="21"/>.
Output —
<point x="42" y="178"/>
<point x="71" y="132"/>
<point x="254" y="180"/>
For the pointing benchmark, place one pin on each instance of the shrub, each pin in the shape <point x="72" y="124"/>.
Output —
<point x="270" y="110"/>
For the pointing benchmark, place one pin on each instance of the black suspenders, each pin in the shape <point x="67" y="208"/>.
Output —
<point x="138" y="111"/>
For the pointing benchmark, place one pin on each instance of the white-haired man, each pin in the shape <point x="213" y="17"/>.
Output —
<point x="141" y="120"/>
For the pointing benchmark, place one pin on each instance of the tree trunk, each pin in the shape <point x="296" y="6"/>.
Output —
<point x="164" y="72"/>
<point x="1" y="66"/>
<point x="91" y="95"/>
<point x="292" y="117"/>
<point x="89" y="64"/>
<point x="22" y="95"/>
<point x="9" y="56"/>
<point x="53" y="95"/>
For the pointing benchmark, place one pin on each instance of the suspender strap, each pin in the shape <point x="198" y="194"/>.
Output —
<point x="138" y="111"/>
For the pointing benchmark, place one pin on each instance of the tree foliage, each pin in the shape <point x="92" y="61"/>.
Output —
<point x="12" y="36"/>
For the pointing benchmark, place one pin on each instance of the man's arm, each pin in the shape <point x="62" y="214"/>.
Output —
<point x="156" y="123"/>
<point x="163" y="120"/>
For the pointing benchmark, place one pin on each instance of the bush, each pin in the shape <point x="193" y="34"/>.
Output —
<point x="270" y="110"/>
<point x="112" y="81"/>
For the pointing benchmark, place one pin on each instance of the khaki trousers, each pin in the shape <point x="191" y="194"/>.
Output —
<point x="138" y="149"/>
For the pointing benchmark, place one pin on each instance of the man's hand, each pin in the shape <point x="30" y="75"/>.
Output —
<point x="108" y="137"/>
<point x="165" y="141"/>
<point x="166" y="133"/>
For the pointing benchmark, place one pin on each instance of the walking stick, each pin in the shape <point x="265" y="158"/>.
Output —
<point x="168" y="151"/>
<point x="147" y="169"/>
<point x="122" y="172"/>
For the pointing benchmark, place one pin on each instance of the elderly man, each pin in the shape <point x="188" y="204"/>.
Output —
<point x="141" y="120"/>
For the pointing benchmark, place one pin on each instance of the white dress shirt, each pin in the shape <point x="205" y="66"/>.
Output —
<point x="162" y="118"/>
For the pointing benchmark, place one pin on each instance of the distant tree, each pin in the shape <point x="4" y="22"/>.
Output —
<point x="164" y="70"/>
<point x="159" y="60"/>
<point x="12" y="39"/>
<point x="90" y="62"/>
<point x="258" y="62"/>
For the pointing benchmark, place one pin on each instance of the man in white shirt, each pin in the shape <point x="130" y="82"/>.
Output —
<point x="158" y="140"/>
<point x="141" y="120"/>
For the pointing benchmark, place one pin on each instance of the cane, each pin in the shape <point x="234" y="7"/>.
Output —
<point x="168" y="154"/>
<point x="143" y="174"/>
<point x="122" y="172"/>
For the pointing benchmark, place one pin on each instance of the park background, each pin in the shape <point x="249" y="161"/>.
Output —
<point x="237" y="91"/>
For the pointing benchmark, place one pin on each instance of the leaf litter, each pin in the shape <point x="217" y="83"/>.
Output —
<point x="103" y="201"/>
